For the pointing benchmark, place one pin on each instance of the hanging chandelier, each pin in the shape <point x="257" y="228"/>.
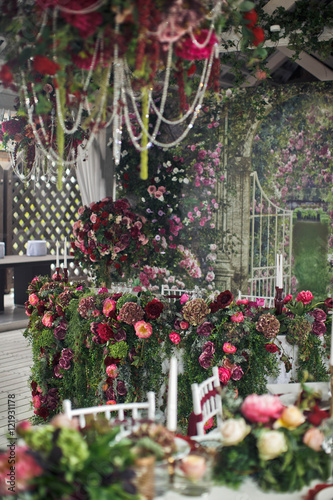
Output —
<point x="79" y="66"/>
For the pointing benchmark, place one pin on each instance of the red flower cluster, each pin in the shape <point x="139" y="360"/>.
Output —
<point x="186" y="49"/>
<point x="258" y="33"/>
<point x="45" y="66"/>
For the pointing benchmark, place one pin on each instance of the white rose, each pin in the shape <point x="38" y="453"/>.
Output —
<point x="234" y="430"/>
<point x="271" y="444"/>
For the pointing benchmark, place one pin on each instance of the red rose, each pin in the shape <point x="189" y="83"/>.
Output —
<point x="252" y="17"/>
<point x="271" y="348"/>
<point x="45" y="66"/>
<point x="104" y="214"/>
<point x="224" y="375"/>
<point x="259" y="36"/>
<point x="154" y="309"/>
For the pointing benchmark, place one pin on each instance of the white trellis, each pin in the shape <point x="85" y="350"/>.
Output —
<point x="270" y="234"/>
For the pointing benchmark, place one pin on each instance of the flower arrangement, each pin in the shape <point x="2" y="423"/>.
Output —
<point x="98" y="347"/>
<point x="60" y="460"/>
<point x="107" y="233"/>
<point x="279" y="446"/>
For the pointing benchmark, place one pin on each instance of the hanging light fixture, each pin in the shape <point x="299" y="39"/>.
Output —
<point x="90" y="64"/>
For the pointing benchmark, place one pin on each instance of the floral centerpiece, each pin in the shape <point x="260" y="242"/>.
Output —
<point x="280" y="447"/>
<point x="61" y="461"/>
<point x="108" y="234"/>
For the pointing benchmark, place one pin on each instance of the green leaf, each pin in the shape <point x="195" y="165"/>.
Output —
<point x="246" y="6"/>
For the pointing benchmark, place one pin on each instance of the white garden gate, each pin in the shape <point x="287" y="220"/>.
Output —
<point x="270" y="234"/>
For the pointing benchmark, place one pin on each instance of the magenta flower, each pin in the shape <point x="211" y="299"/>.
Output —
<point x="227" y="347"/>
<point x="262" y="408"/>
<point x="174" y="337"/>
<point x="224" y="375"/>
<point x="305" y="297"/>
<point x="47" y="319"/>
<point x="237" y="317"/>
<point x="33" y="299"/>
<point x="109" y="307"/>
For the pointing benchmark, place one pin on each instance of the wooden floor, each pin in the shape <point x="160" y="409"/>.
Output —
<point x="15" y="365"/>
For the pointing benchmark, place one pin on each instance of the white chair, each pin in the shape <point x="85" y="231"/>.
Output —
<point x="118" y="409"/>
<point x="207" y="403"/>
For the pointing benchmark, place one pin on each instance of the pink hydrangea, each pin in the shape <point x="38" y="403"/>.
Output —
<point x="305" y="297"/>
<point x="237" y="317"/>
<point x="143" y="330"/>
<point x="227" y="347"/>
<point x="262" y="408"/>
<point x="174" y="337"/>
<point x="112" y="371"/>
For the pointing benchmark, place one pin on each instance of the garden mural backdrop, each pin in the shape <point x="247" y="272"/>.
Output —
<point x="197" y="200"/>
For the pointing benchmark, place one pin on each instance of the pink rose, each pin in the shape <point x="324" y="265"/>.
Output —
<point x="304" y="297"/>
<point x="184" y="298"/>
<point x="184" y="325"/>
<point x="33" y="299"/>
<point x="47" y="319"/>
<point x="143" y="330"/>
<point x="261" y="408"/>
<point x="313" y="438"/>
<point x="112" y="371"/>
<point x="224" y="375"/>
<point x="229" y="348"/>
<point x="260" y="302"/>
<point x="237" y="317"/>
<point x="242" y="301"/>
<point x="174" y="337"/>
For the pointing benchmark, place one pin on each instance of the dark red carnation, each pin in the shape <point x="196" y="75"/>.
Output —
<point x="45" y="66"/>
<point x="105" y="332"/>
<point x="154" y="309"/>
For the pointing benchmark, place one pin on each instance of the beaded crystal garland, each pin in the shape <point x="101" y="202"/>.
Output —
<point x="91" y="64"/>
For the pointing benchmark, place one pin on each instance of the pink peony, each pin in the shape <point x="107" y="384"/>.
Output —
<point x="47" y="319"/>
<point x="112" y="371"/>
<point x="103" y="289"/>
<point x="174" y="337"/>
<point x="109" y="308"/>
<point x="262" y="408"/>
<point x="143" y="330"/>
<point x="224" y="375"/>
<point x="304" y="297"/>
<point x="287" y="299"/>
<point x="242" y="301"/>
<point x="227" y="347"/>
<point x="33" y="299"/>
<point x="237" y="317"/>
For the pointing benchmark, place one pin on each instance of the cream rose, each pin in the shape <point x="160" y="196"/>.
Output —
<point x="313" y="438"/>
<point x="234" y="430"/>
<point x="271" y="444"/>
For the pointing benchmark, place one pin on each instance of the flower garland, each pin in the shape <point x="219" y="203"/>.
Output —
<point x="95" y="348"/>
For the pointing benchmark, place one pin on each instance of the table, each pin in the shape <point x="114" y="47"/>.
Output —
<point x="247" y="491"/>
<point x="25" y="269"/>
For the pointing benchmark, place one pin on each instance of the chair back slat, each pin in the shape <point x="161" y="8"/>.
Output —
<point x="118" y="410"/>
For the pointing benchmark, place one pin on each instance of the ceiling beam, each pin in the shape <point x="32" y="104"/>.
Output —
<point x="310" y="64"/>
<point x="272" y="5"/>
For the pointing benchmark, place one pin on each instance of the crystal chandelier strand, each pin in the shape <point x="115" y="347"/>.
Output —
<point x="87" y="10"/>
<point x="203" y="83"/>
<point x="216" y="12"/>
<point x="193" y="105"/>
<point x="186" y="131"/>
